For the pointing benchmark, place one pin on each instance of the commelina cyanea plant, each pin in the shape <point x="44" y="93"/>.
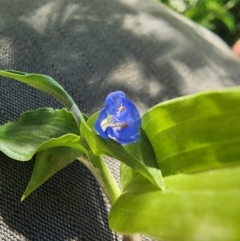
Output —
<point x="180" y="161"/>
<point x="119" y="119"/>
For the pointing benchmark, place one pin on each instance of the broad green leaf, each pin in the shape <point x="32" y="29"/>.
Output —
<point x="196" y="207"/>
<point x="139" y="155"/>
<point x="49" y="162"/>
<point x="48" y="85"/>
<point x="70" y="140"/>
<point x="195" y="133"/>
<point x="37" y="130"/>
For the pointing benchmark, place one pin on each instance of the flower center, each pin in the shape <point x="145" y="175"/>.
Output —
<point x="108" y="122"/>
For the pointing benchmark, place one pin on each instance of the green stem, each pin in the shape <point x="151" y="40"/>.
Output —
<point x="134" y="237"/>
<point x="103" y="176"/>
<point x="106" y="181"/>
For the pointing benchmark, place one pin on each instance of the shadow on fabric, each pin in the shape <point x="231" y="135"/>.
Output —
<point x="93" y="48"/>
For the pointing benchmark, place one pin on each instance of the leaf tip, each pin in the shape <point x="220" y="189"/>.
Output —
<point x="23" y="197"/>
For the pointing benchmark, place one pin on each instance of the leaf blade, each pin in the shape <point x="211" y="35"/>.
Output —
<point x="138" y="155"/>
<point x="202" y="206"/>
<point x="201" y="125"/>
<point x="48" y="85"/>
<point x="20" y="140"/>
<point x="41" y="82"/>
<point x="48" y="162"/>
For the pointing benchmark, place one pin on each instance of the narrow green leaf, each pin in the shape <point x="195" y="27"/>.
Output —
<point x="203" y="206"/>
<point x="49" y="162"/>
<point x="139" y="155"/>
<point x="43" y="83"/>
<point x="47" y="85"/>
<point x="37" y="130"/>
<point x="196" y="132"/>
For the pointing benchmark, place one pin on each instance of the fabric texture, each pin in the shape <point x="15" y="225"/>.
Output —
<point x="92" y="48"/>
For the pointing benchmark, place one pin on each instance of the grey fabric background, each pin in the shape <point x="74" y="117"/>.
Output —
<point x="92" y="48"/>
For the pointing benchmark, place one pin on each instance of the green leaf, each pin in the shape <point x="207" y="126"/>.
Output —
<point x="70" y="140"/>
<point x="37" y="130"/>
<point x="48" y="85"/>
<point x="139" y="155"/>
<point x="49" y="162"/>
<point x="195" y="133"/>
<point x="132" y="180"/>
<point x="188" y="134"/>
<point x="202" y="206"/>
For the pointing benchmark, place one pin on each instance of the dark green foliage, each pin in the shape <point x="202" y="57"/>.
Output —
<point x="220" y="16"/>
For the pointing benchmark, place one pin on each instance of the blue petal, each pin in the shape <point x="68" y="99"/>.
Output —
<point x="122" y="139"/>
<point x="132" y="117"/>
<point x="114" y="98"/>
<point x="130" y="140"/>
<point x="97" y="126"/>
<point x="119" y="119"/>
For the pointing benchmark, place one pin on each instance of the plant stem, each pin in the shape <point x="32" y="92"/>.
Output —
<point x="134" y="237"/>
<point x="103" y="176"/>
<point x="107" y="182"/>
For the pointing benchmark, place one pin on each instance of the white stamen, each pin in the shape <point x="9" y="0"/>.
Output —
<point x="106" y="123"/>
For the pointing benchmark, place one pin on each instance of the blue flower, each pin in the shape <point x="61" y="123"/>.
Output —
<point x="119" y="119"/>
